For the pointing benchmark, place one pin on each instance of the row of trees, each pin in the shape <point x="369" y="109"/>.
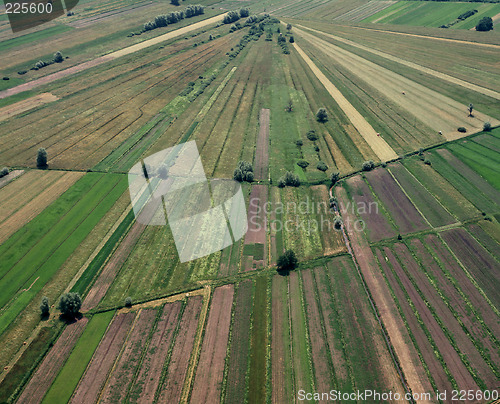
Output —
<point x="174" y="17"/>
<point x="234" y="16"/>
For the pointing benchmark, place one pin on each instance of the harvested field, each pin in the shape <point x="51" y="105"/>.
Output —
<point x="262" y="147"/>
<point x="210" y="370"/>
<point x="148" y="378"/>
<point x="378" y="226"/>
<point x="116" y="388"/>
<point x="364" y="11"/>
<point x="90" y="386"/>
<point x="172" y="386"/>
<point x="25" y="105"/>
<point x="52" y="363"/>
<point x="17" y="213"/>
<point x="12" y="176"/>
<point x="423" y="200"/>
<point x="478" y="261"/>
<point x="379" y="146"/>
<point x="401" y="209"/>
<point x="240" y="343"/>
<point x="441" y="112"/>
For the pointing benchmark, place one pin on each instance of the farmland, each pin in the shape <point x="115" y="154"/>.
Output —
<point x="390" y="202"/>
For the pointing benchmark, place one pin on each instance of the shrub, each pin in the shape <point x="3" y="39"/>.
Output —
<point x="338" y="222"/>
<point x="150" y="25"/>
<point x="312" y="136"/>
<point x="6" y="78"/>
<point x="21" y="72"/>
<point x="485" y="24"/>
<point x="44" y="307"/>
<point x="427" y="161"/>
<point x="243" y="172"/>
<point x="281" y="183"/>
<point x="421" y="151"/>
<point x="3" y="172"/>
<point x="249" y="176"/>
<point x="334" y="177"/>
<point x="238" y="175"/>
<point x="299" y="143"/>
<point x="368" y="165"/>
<point x="487" y="126"/>
<point x="128" y="302"/>
<point x="322" y="115"/>
<point x="302" y="164"/>
<point x="461" y="129"/>
<point x="244" y="12"/>
<point x="400" y="237"/>
<point x="175" y="2"/>
<point x="231" y="17"/>
<point x="41" y="158"/>
<point x="292" y="179"/>
<point x="58" y="57"/>
<point x="291" y="40"/>
<point x="287" y="262"/>
<point x="321" y="166"/>
<point x="333" y="202"/>
<point x="70" y="304"/>
<point x="316" y="148"/>
<point x="40" y="64"/>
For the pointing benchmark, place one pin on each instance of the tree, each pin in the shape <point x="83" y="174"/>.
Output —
<point x="244" y="12"/>
<point x="58" y="57"/>
<point x="3" y="172"/>
<point x="302" y="163"/>
<point x="338" y="222"/>
<point x="485" y="24"/>
<point x="289" y="106"/>
<point x="334" y="177"/>
<point x="175" y="2"/>
<point x="289" y="27"/>
<point x="249" y="176"/>
<point x="368" y="165"/>
<point x="470" y="108"/>
<point x="299" y="143"/>
<point x="291" y="40"/>
<point x="238" y="175"/>
<point x="322" y="115"/>
<point x="287" y="262"/>
<point x="128" y="302"/>
<point x="486" y="127"/>
<point x="41" y="158"/>
<point x="312" y="136"/>
<point x="44" y="307"/>
<point x="70" y="304"/>
<point x="321" y="166"/>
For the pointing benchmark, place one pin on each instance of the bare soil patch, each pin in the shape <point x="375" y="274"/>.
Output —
<point x="262" y="147"/>
<point x="208" y="380"/>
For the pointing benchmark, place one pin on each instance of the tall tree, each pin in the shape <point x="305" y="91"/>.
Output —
<point x="41" y="158"/>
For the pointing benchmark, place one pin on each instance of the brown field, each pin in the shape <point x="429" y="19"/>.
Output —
<point x="148" y="378"/>
<point x="109" y="348"/>
<point x="25" y="105"/>
<point x="210" y="370"/>
<point x="171" y="388"/>
<point x="478" y="262"/>
<point x="116" y="387"/>
<point x="262" y="147"/>
<point x="404" y="214"/>
<point x="257" y="224"/>
<point x="378" y="226"/>
<point x="46" y="373"/>
<point x="408" y="357"/>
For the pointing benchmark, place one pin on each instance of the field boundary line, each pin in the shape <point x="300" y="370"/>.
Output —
<point x="443" y="76"/>
<point x="460" y="41"/>
<point x="195" y="352"/>
<point x="380" y="147"/>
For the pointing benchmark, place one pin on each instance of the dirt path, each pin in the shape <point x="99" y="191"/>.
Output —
<point x="106" y="58"/>
<point x="383" y="151"/>
<point x="262" y="148"/>
<point x="439" y="75"/>
<point x="438" y="111"/>
<point x="22" y="106"/>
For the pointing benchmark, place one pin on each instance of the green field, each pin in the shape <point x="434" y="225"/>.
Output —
<point x="433" y="14"/>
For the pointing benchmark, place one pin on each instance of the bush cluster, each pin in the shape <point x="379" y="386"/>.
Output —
<point x="461" y="129"/>
<point x="368" y="165"/>
<point x="321" y="166"/>
<point x="284" y="45"/>
<point x="303" y="164"/>
<point x="289" y="179"/>
<point x="3" y="172"/>
<point x="231" y="17"/>
<point x="312" y="136"/>
<point x="58" y="58"/>
<point x="243" y="172"/>
<point x="164" y="20"/>
<point x="485" y="24"/>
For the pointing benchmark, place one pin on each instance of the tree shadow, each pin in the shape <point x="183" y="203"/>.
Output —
<point x="283" y="272"/>
<point x="70" y="319"/>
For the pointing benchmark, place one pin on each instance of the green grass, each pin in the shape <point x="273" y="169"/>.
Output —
<point x="433" y="14"/>
<point x="33" y="36"/>
<point x="72" y="371"/>
<point x="35" y="253"/>
<point x="258" y="349"/>
<point x="254" y="250"/>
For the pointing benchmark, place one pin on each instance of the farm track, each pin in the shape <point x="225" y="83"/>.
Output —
<point x="423" y="69"/>
<point x="106" y="58"/>
<point x="379" y="146"/>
